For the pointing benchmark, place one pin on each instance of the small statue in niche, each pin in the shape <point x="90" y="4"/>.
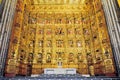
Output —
<point x="79" y="57"/>
<point x="22" y="55"/>
<point x="32" y="31"/>
<point x="49" y="43"/>
<point x="47" y="21"/>
<point x="17" y="25"/>
<point x="89" y="58"/>
<point x="108" y="62"/>
<point x="76" y="20"/>
<point x="79" y="43"/>
<point x="93" y="25"/>
<point x="15" y="40"/>
<point x="40" y="43"/>
<point x="107" y="54"/>
<point x="71" y="57"/>
<point x="70" y="42"/>
<point x="39" y="58"/>
<point x="59" y="43"/>
<point x="31" y="43"/>
<point x="69" y="20"/>
<point x="98" y="55"/>
<point x="13" y="54"/>
<point x="86" y="31"/>
<point x="77" y="31"/>
<point x="19" y="7"/>
<point x="41" y="31"/>
<point x="101" y="24"/>
<point x="49" y="32"/>
<point x="59" y="54"/>
<point x="104" y="41"/>
<point x="48" y="58"/>
<point x="59" y="20"/>
<point x="30" y="57"/>
<point x="87" y="42"/>
<point x="59" y="31"/>
<point x="100" y="19"/>
<point x="69" y="31"/>
<point x="41" y="20"/>
<point x="32" y="19"/>
<point x="55" y="21"/>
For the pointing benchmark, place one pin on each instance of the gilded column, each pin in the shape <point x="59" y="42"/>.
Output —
<point x="12" y="66"/>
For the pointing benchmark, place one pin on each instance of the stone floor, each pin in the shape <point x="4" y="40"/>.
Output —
<point x="59" y="77"/>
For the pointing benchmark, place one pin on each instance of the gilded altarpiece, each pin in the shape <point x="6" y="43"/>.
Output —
<point x="44" y="35"/>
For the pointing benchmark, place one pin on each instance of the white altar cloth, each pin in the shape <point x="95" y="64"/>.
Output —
<point x="60" y="71"/>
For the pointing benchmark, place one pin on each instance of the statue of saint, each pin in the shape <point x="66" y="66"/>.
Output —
<point x="39" y="57"/>
<point x="30" y="57"/>
<point x="79" y="57"/>
<point x="79" y="44"/>
<point x="70" y="42"/>
<point x="49" y="43"/>
<point x="48" y="57"/>
<point x="49" y="32"/>
<point x="71" y="57"/>
<point x="40" y="43"/>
